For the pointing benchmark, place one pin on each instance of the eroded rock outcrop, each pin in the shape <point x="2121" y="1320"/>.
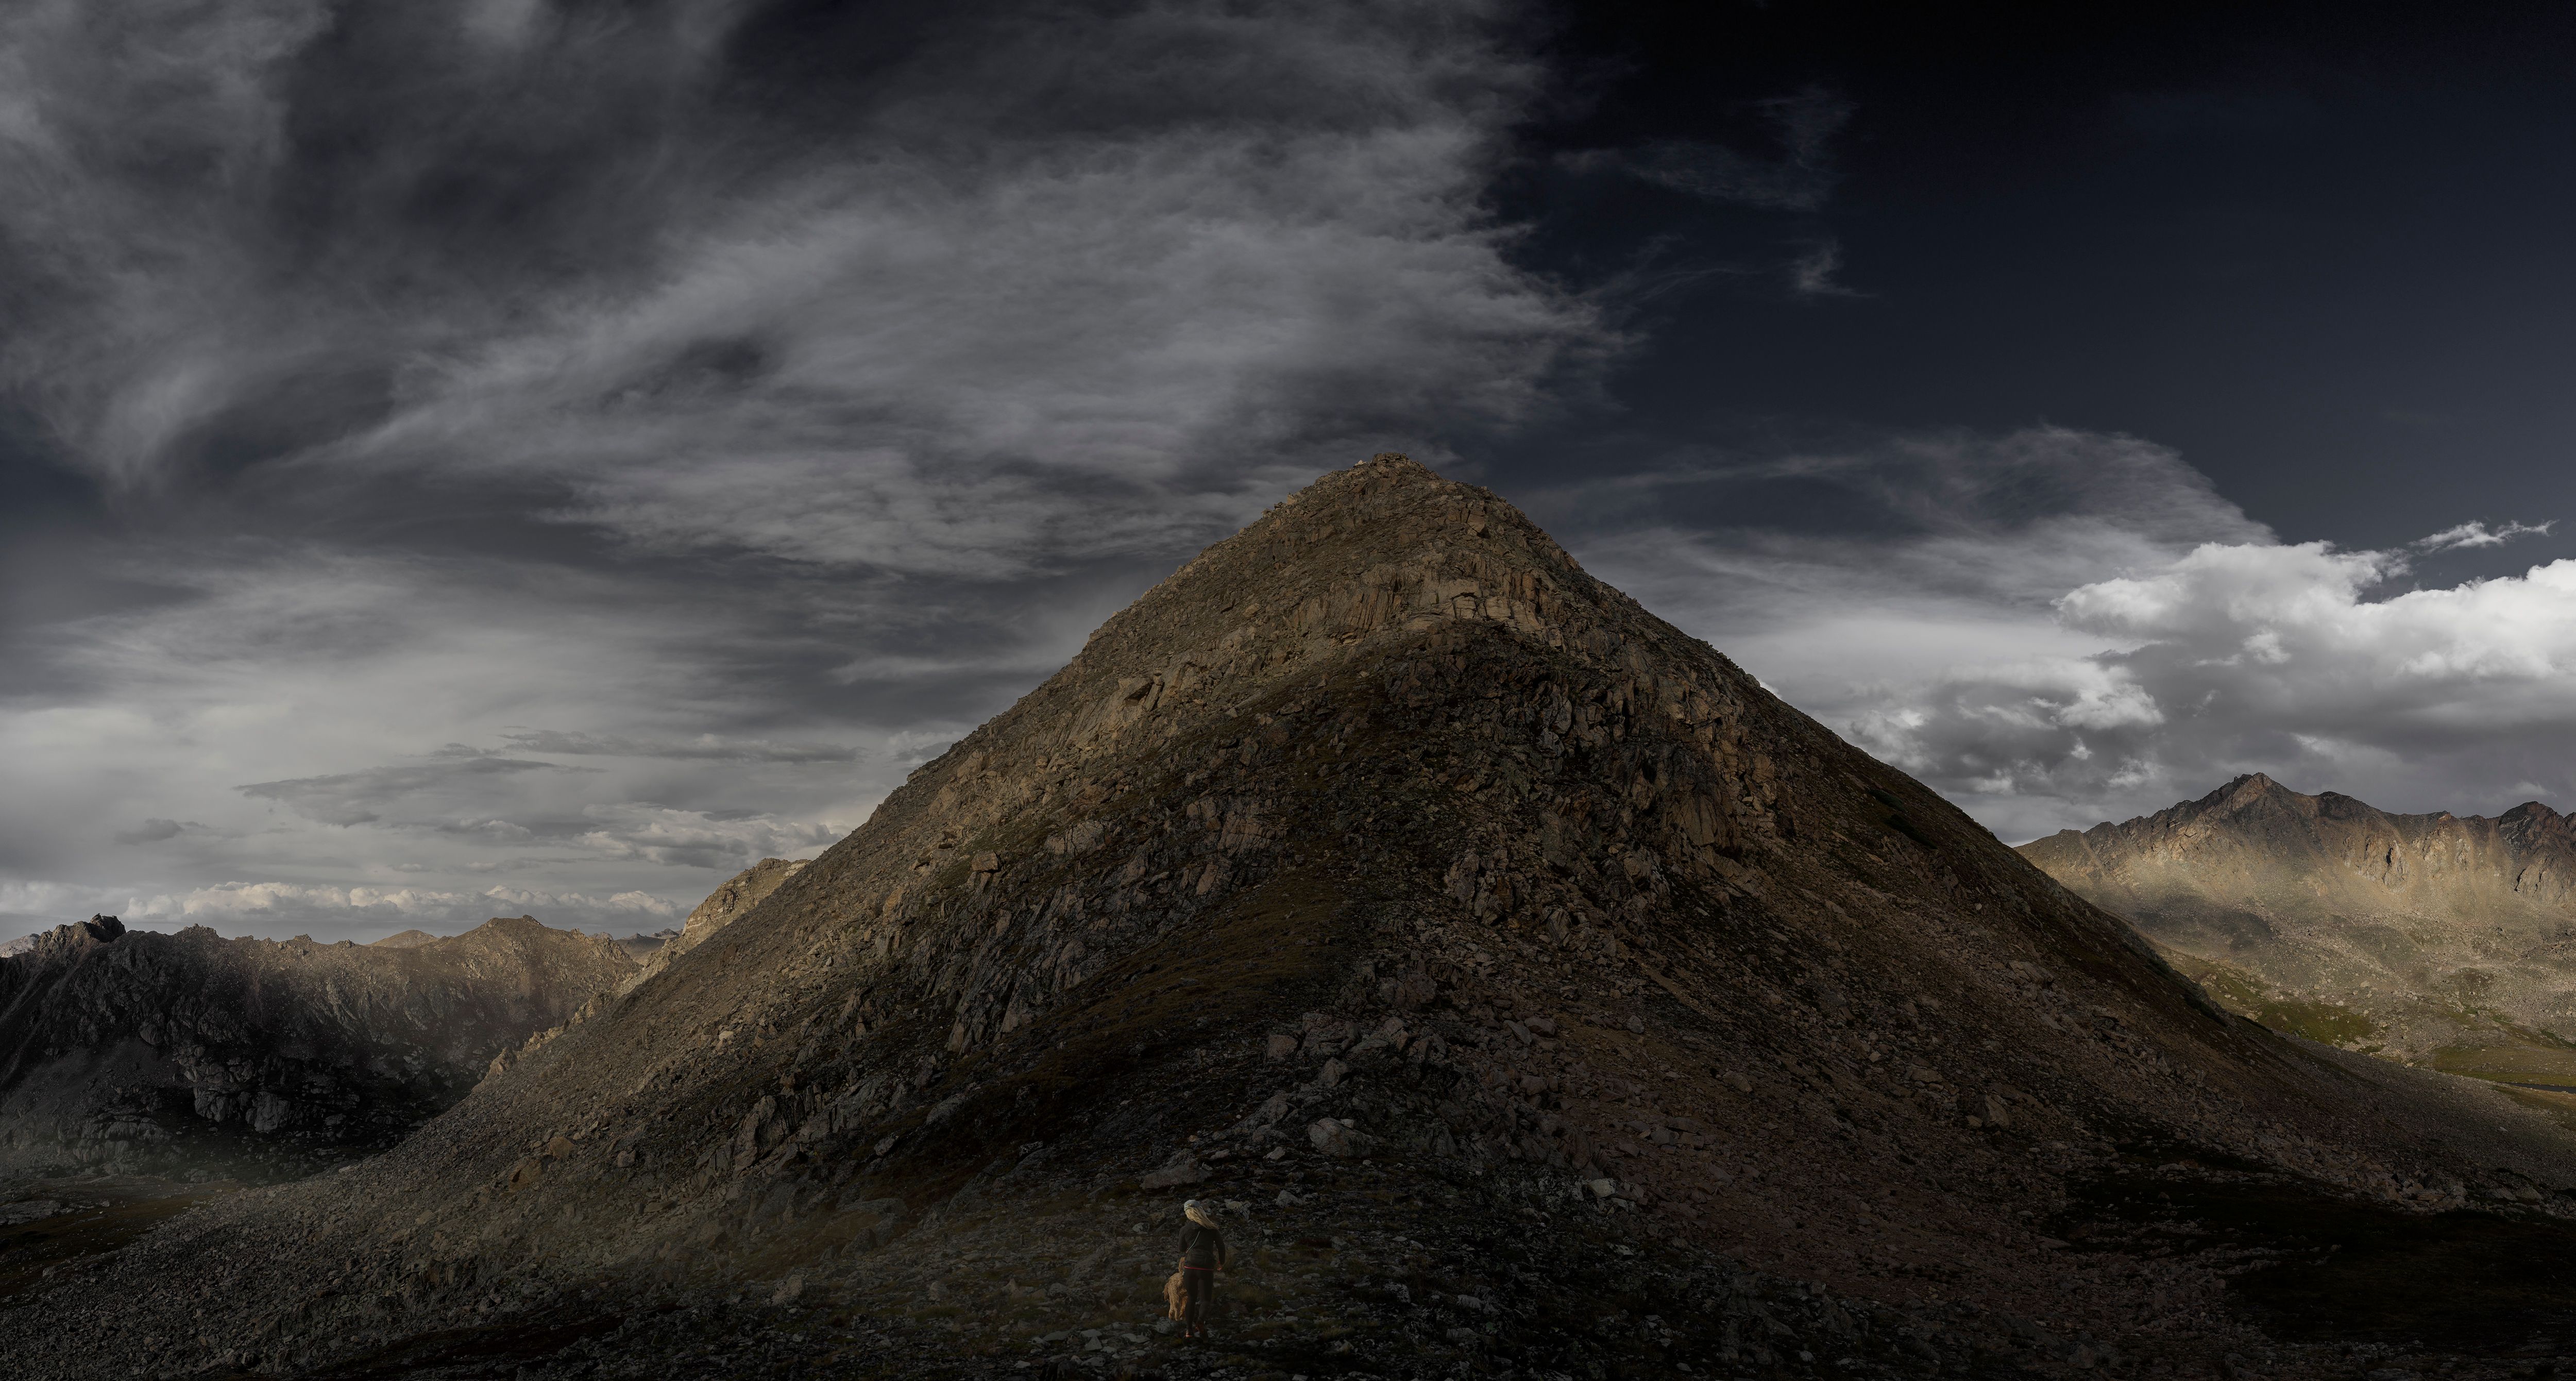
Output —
<point x="136" y="1048"/>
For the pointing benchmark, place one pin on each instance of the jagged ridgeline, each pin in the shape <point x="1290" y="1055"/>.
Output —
<point x="2439" y="938"/>
<point x="1487" y="944"/>
<point x="135" y="1050"/>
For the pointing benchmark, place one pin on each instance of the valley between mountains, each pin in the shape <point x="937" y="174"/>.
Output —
<point x="1533" y="994"/>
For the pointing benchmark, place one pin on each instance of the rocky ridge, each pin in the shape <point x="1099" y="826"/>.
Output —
<point x="731" y="900"/>
<point x="2438" y="938"/>
<point x="134" y="1049"/>
<point x="1539" y="994"/>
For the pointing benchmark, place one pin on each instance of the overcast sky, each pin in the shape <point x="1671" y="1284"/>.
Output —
<point x="470" y="458"/>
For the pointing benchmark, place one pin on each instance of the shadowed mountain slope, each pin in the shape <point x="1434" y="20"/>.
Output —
<point x="2440" y="938"/>
<point x="1536" y="993"/>
<point x="135" y="1049"/>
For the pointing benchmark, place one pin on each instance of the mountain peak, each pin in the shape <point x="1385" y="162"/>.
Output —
<point x="1382" y="869"/>
<point x="2252" y="786"/>
<point x="1334" y="553"/>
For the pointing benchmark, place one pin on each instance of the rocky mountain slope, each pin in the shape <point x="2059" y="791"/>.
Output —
<point x="723" y="906"/>
<point x="1536" y="994"/>
<point x="135" y="1049"/>
<point x="2437" y="938"/>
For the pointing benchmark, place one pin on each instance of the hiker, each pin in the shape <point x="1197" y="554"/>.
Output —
<point x="1203" y="1254"/>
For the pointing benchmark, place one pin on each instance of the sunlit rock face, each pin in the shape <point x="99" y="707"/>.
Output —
<point x="2439" y="938"/>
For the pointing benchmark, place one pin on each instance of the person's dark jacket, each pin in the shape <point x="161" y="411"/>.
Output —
<point x="1202" y="1246"/>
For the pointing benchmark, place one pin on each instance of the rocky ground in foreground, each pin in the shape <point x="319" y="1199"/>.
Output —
<point x="1360" y="1274"/>
<point x="1541" y="996"/>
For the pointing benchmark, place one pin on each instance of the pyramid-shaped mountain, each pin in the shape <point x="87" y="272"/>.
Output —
<point x="1530" y="991"/>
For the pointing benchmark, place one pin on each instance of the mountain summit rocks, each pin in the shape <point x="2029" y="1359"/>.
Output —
<point x="134" y="1049"/>
<point x="1532" y="988"/>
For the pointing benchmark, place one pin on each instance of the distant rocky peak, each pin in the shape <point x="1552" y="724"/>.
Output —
<point x="2257" y="789"/>
<point x="77" y="936"/>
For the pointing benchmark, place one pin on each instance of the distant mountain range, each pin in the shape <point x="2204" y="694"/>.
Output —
<point x="2438" y="939"/>
<point x="132" y="1049"/>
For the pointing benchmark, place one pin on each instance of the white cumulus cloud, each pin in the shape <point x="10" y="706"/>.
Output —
<point x="2054" y="627"/>
<point x="2286" y="658"/>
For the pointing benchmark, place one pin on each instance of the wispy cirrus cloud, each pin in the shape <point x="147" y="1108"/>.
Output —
<point x="1800" y="176"/>
<point x="703" y="748"/>
<point x="2477" y="534"/>
<point x="747" y="398"/>
<point x="1815" y="272"/>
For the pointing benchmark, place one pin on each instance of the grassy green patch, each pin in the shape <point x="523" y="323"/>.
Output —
<point x="2327" y="1023"/>
<point x="2510" y="1059"/>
